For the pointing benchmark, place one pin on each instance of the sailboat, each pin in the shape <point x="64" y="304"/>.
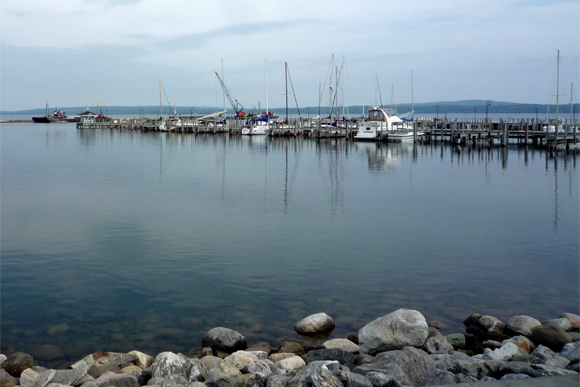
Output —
<point x="261" y="125"/>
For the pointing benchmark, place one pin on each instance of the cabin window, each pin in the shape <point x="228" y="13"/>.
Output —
<point x="376" y="115"/>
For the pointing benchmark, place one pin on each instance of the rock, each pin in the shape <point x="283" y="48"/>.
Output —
<point x="344" y="344"/>
<point x="156" y="382"/>
<point x="379" y="379"/>
<point x="350" y="379"/>
<point x="551" y="335"/>
<point x="514" y="377"/>
<point x="265" y="367"/>
<point x="549" y="357"/>
<point x="293" y="363"/>
<point x="437" y="324"/>
<point x="100" y="369"/>
<point x="316" y="374"/>
<point x="408" y="366"/>
<point x="504" y="353"/>
<point x="564" y="323"/>
<point x="17" y="362"/>
<point x="472" y="320"/>
<point x="58" y="329"/>
<point x="4" y="375"/>
<point x="70" y="377"/>
<point x="6" y="383"/>
<point x="523" y="343"/>
<point x="111" y="379"/>
<point x="464" y="379"/>
<point x="492" y="325"/>
<point x="315" y="323"/>
<point x="240" y="358"/>
<point x="113" y="358"/>
<point x="460" y="363"/>
<point x="457" y="340"/>
<point x="143" y="360"/>
<point x="224" y="339"/>
<point x="292" y="347"/>
<point x="521" y="325"/>
<point x="263" y="346"/>
<point x="573" y="318"/>
<point x="440" y="378"/>
<point x="571" y="351"/>
<point x="130" y="369"/>
<point x="546" y="370"/>
<point x="168" y="363"/>
<point x="261" y="355"/>
<point x="491" y="344"/>
<point x="437" y="345"/>
<point x="28" y="376"/>
<point x="340" y="355"/>
<point x="257" y="380"/>
<point x="277" y="381"/>
<point x="276" y="357"/>
<point x="399" y="329"/>
<point x="518" y="368"/>
<point x="224" y="372"/>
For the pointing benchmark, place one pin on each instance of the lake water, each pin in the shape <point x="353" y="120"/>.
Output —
<point x="124" y="240"/>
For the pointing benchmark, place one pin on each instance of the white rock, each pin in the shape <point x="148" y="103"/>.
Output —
<point x="504" y="353"/>
<point x="143" y="360"/>
<point x="315" y="323"/>
<point x="240" y="358"/>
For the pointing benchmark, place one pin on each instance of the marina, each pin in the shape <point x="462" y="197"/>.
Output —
<point x="562" y="133"/>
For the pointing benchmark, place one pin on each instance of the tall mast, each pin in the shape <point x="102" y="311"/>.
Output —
<point x="266" y="65"/>
<point x="224" y="80"/>
<point x="286" y="71"/>
<point x="363" y="101"/>
<point x="330" y="83"/>
<point x="557" y="91"/>
<point x="412" y="101"/>
<point x="160" y="101"/>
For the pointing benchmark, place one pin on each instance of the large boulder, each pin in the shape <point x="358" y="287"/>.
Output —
<point x="224" y="339"/>
<point x="408" y="366"/>
<point x="521" y="325"/>
<point x="573" y="318"/>
<point x="17" y="362"/>
<point x="551" y="334"/>
<point x="396" y="330"/>
<point x="169" y="363"/>
<point x="315" y="323"/>
<point x="344" y="344"/>
<point x="316" y="374"/>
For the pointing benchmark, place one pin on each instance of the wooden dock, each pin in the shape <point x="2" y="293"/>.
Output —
<point x="538" y="133"/>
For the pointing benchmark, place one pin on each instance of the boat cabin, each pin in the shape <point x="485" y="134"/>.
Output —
<point x="381" y="115"/>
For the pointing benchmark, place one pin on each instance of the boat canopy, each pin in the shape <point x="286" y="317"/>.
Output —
<point x="381" y="114"/>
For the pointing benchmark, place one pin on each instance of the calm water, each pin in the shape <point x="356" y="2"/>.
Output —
<point x="146" y="241"/>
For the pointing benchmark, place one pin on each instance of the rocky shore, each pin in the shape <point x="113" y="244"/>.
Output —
<point x="398" y="349"/>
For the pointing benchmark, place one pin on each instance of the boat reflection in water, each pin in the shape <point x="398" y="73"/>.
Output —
<point x="383" y="157"/>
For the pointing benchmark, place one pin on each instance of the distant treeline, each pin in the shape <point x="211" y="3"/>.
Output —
<point x="457" y="107"/>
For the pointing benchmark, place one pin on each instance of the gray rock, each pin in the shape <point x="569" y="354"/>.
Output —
<point x="315" y="323"/>
<point x="521" y="325"/>
<point x="518" y="368"/>
<point x="440" y="378"/>
<point x="460" y="363"/>
<point x="571" y="351"/>
<point x="277" y="381"/>
<point x="101" y="369"/>
<point x="111" y="379"/>
<point x="224" y="339"/>
<point x="344" y="344"/>
<point x="551" y="335"/>
<point x="69" y="377"/>
<point x="573" y="318"/>
<point x="169" y="363"/>
<point x="399" y="329"/>
<point x="315" y="374"/>
<point x="379" y="379"/>
<point x="343" y="357"/>
<point x="91" y="383"/>
<point x="492" y="325"/>
<point x="408" y="366"/>
<point x="257" y="380"/>
<point x="6" y="376"/>
<point x="352" y="379"/>
<point x="460" y="378"/>
<point x="225" y="373"/>
<point x="157" y="381"/>
<point x="264" y="367"/>
<point x="437" y="345"/>
<point x="457" y="340"/>
<point x="293" y="363"/>
<point x="546" y="370"/>
<point x="17" y="362"/>
<point x="504" y="353"/>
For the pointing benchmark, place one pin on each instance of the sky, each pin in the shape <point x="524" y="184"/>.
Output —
<point x="115" y="52"/>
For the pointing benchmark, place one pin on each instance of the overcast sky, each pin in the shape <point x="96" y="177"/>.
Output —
<point x="78" y="52"/>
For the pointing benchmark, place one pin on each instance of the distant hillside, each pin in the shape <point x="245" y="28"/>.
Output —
<point x="450" y="107"/>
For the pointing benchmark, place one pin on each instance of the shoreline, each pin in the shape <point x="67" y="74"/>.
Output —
<point x="488" y="350"/>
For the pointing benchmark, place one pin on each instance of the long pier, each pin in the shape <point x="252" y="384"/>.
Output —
<point x="541" y="133"/>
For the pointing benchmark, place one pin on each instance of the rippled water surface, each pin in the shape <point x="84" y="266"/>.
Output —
<point x="121" y="240"/>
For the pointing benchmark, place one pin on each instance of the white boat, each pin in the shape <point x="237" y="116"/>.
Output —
<point x="385" y="125"/>
<point x="257" y="126"/>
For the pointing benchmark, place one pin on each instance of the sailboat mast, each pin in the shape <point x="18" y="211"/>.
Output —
<point x="557" y="92"/>
<point x="160" y="101"/>
<point x="286" y="70"/>
<point x="363" y="101"/>
<point x="266" y="65"/>
<point x="412" y="100"/>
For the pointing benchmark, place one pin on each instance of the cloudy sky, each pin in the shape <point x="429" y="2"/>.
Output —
<point x="78" y="52"/>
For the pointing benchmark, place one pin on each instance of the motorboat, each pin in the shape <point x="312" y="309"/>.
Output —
<point x="257" y="126"/>
<point x="385" y="125"/>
